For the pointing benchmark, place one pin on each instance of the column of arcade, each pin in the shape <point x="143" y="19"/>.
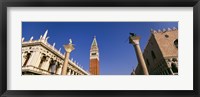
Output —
<point x="72" y="72"/>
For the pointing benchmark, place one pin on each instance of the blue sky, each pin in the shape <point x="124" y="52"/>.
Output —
<point x="117" y="56"/>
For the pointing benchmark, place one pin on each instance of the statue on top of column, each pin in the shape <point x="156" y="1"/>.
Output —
<point x="70" y="41"/>
<point x="132" y="34"/>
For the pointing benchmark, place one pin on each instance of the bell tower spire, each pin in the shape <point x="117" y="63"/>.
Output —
<point x="94" y="43"/>
<point x="94" y="58"/>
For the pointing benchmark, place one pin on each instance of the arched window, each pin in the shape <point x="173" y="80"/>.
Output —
<point x="176" y="43"/>
<point x="93" y="53"/>
<point x="52" y="65"/>
<point x="174" y="68"/>
<point x="153" y="55"/>
<point x="42" y="61"/>
<point x="174" y="60"/>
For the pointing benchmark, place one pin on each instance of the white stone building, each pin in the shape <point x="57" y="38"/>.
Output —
<point x="41" y="58"/>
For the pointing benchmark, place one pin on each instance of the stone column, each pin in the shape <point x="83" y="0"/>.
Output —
<point x="58" y="69"/>
<point x="55" y="68"/>
<point x="46" y="64"/>
<point x="135" y="41"/>
<point x="37" y="59"/>
<point x="69" y="72"/>
<point x="68" y="48"/>
<point x="30" y="62"/>
<point x="23" y="58"/>
<point x="72" y="72"/>
<point x="171" y="72"/>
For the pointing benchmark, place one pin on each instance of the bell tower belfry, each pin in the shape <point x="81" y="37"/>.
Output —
<point x="94" y="58"/>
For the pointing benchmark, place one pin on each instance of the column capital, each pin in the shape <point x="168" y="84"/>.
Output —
<point x="134" y="40"/>
<point x="69" y="47"/>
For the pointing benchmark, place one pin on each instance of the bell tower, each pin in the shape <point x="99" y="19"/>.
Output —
<point x="94" y="58"/>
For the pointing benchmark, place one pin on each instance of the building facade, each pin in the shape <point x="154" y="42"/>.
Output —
<point x="161" y="53"/>
<point x="41" y="58"/>
<point x="94" y="58"/>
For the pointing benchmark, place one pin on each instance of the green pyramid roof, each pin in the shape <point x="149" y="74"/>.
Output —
<point x="94" y="43"/>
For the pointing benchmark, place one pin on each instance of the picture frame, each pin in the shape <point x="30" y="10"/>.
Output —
<point x="98" y="3"/>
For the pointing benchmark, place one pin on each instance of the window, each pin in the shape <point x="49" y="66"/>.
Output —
<point x="93" y="53"/>
<point x="153" y="55"/>
<point x="176" y="43"/>
<point x="174" y="60"/>
<point x="166" y="36"/>
<point x="174" y="68"/>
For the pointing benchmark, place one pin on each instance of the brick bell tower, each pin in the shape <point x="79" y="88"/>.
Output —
<point x="94" y="58"/>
